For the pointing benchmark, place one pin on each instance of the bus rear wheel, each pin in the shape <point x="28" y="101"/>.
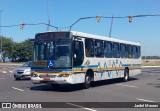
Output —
<point x="126" y="75"/>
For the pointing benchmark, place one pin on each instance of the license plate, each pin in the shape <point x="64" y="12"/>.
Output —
<point x="46" y="79"/>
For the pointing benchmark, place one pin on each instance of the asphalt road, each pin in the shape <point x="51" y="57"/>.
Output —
<point x="142" y="88"/>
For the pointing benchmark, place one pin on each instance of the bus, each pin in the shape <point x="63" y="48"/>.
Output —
<point x="71" y="57"/>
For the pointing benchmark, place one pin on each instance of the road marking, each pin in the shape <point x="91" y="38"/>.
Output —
<point x="11" y="71"/>
<point x="144" y="100"/>
<point x="17" y="89"/>
<point x="82" y="107"/>
<point x="126" y="85"/>
<point x="4" y="72"/>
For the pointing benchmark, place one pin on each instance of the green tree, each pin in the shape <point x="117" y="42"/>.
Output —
<point x="7" y="44"/>
<point x="14" y="50"/>
<point x="24" y="50"/>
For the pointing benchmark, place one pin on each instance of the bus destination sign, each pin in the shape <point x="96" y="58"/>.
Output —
<point x="53" y="35"/>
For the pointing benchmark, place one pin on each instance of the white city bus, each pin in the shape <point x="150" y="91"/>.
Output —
<point x="75" y="57"/>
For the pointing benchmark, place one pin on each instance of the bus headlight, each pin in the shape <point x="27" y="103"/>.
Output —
<point x="34" y="75"/>
<point x="63" y="75"/>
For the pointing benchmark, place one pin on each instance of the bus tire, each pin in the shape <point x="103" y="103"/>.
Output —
<point x="126" y="75"/>
<point x="87" y="82"/>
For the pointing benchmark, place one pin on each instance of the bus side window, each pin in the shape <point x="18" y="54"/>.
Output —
<point x="99" y="48"/>
<point x="135" y="52"/>
<point x="89" y="47"/>
<point x="116" y="52"/>
<point x="123" y="50"/>
<point x="108" y="49"/>
<point x="130" y="51"/>
<point x="139" y="51"/>
<point x="78" y="53"/>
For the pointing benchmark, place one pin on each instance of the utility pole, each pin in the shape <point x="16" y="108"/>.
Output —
<point x="48" y="15"/>
<point x="1" y="35"/>
<point x="110" y="32"/>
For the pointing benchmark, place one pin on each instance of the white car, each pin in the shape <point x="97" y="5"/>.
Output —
<point x="23" y="72"/>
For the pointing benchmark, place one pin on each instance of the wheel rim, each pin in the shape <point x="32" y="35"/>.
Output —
<point x="87" y="81"/>
<point x="126" y="76"/>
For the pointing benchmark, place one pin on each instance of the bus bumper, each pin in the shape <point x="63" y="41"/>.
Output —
<point x="58" y="80"/>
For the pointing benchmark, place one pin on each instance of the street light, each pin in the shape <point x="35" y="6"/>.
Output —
<point x="0" y="34"/>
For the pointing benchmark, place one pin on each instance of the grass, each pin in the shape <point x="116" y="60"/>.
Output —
<point x="151" y="63"/>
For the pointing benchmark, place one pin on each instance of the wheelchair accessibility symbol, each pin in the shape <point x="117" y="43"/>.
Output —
<point x="51" y="63"/>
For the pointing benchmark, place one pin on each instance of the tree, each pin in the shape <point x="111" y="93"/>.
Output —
<point x="7" y="44"/>
<point x="14" y="50"/>
<point x="25" y="50"/>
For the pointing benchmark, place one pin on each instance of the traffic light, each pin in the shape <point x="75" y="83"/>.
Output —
<point x="130" y="19"/>
<point x="98" y="18"/>
<point x="22" y="26"/>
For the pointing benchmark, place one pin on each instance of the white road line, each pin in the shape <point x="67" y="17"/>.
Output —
<point x="17" y="89"/>
<point x="4" y="72"/>
<point x="144" y="100"/>
<point x="127" y="85"/>
<point x="81" y="107"/>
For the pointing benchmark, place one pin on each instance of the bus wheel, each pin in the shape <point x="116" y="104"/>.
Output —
<point x="87" y="82"/>
<point x="126" y="75"/>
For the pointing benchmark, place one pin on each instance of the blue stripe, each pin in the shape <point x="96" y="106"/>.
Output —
<point x="90" y="66"/>
<point x="131" y="64"/>
<point x="54" y="70"/>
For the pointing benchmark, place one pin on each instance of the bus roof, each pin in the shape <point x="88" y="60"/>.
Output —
<point x="103" y="38"/>
<point x="82" y="34"/>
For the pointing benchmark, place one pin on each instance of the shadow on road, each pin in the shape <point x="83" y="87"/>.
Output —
<point x="75" y="87"/>
<point x="157" y="85"/>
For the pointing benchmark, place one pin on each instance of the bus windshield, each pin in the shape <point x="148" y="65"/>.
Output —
<point x="53" y="53"/>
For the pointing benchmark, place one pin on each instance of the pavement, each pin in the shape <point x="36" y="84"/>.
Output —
<point x="144" y="87"/>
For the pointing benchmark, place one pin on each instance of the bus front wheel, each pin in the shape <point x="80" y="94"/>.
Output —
<point x="87" y="82"/>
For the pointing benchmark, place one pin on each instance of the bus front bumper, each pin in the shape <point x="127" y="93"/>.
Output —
<point x="58" y="80"/>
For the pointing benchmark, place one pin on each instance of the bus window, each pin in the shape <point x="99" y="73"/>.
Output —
<point x="130" y="51"/>
<point x="139" y="52"/>
<point x="123" y="50"/>
<point x="135" y="52"/>
<point x="89" y="47"/>
<point x="41" y="51"/>
<point x="78" y="53"/>
<point x="116" y="52"/>
<point x="99" y="49"/>
<point x="108" y="49"/>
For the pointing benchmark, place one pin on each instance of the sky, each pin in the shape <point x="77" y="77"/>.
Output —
<point x="63" y="13"/>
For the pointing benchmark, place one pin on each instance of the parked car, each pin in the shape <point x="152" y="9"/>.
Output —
<point x="23" y="72"/>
